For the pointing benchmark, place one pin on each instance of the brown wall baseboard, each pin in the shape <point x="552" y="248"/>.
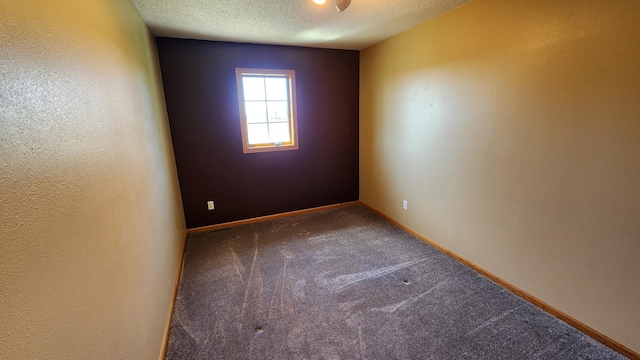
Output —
<point x="268" y="217"/>
<point x="165" y="339"/>
<point x="521" y="293"/>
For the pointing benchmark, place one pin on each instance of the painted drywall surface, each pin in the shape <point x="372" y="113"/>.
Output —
<point x="91" y="223"/>
<point x="513" y="130"/>
<point x="202" y="102"/>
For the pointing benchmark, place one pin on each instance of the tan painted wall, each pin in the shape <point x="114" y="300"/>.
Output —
<point x="513" y="130"/>
<point x="91" y="223"/>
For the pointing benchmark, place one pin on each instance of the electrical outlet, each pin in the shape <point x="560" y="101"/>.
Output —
<point x="210" y="205"/>
<point x="405" y="203"/>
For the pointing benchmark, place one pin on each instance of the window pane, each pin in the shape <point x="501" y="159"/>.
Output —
<point x="266" y="100"/>
<point x="279" y="132"/>
<point x="257" y="134"/>
<point x="277" y="88"/>
<point x="278" y="111"/>
<point x="253" y="88"/>
<point x="256" y="111"/>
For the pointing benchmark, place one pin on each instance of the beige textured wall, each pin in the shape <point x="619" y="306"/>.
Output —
<point x="513" y="130"/>
<point x="91" y="223"/>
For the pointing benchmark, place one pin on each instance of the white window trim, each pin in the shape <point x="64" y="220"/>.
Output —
<point x="293" y="116"/>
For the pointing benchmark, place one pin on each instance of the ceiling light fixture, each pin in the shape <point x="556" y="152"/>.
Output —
<point x="341" y="4"/>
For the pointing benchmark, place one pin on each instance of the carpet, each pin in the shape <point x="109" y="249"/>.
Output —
<point x="347" y="284"/>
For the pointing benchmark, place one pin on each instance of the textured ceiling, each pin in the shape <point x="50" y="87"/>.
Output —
<point x="289" y="22"/>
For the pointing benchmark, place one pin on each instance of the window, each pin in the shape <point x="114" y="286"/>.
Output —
<point x="267" y="100"/>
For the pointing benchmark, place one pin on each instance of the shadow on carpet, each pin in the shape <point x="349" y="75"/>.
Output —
<point x="346" y="284"/>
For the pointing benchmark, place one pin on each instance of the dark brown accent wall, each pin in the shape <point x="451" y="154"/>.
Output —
<point x="200" y="89"/>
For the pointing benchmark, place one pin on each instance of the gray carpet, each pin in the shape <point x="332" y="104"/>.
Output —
<point x="346" y="284"/>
